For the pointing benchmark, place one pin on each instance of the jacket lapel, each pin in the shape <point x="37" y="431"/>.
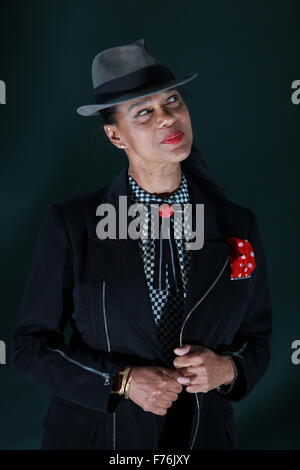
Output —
<point x="207" y="262"/>
<point x="118" y="261"/>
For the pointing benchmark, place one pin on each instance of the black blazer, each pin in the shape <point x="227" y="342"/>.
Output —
<point x="99" y="287"/>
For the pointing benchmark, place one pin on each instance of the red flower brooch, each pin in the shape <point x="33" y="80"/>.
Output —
<point x="241" y="257"/>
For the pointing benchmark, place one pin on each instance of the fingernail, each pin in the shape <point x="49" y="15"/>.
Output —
<point x="183" y="380"/>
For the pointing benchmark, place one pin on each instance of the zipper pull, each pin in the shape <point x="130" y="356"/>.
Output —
<point x="107" y="379"/>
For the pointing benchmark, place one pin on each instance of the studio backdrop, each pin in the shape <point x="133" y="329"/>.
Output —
<point x="245" y="111"/>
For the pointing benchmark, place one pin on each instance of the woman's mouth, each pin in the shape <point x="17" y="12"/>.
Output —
<point x="173" y="138"/>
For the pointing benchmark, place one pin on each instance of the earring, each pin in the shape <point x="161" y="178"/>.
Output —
<point x="122" y="146"/>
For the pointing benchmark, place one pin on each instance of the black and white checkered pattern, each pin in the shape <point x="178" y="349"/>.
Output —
<point x="167" y="305"/>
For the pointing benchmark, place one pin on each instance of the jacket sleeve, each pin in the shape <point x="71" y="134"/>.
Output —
<point x="38" y="351"/>
<point x="251" y="346"/>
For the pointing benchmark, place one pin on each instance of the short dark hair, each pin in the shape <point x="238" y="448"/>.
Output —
<point x="109" y="115"/>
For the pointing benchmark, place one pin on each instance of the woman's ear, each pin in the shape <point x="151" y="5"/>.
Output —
<point x="113" y="136"/>
<point x="107" y="129"/>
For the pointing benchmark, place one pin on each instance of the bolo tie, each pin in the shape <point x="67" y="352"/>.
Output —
<point x="166" y="261"/>
<point x="167" y="274"/>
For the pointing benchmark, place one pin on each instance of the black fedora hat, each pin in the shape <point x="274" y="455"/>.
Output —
<point x="126" y="72"/>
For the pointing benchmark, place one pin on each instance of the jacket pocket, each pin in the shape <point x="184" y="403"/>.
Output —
<point x="70" y="423"/>
<point x="240" y="281"/>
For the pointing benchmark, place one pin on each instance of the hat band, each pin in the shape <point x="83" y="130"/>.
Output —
<point x="151" y="75"/>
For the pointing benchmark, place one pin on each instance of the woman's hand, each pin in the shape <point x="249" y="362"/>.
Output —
<point x="154" y="388"/>
<point x="201" y="368"/>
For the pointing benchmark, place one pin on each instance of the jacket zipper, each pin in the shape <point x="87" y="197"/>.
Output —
<point x="90" y="369"/>
<point x="180" y="341"/>
<point x="109" y="349"/>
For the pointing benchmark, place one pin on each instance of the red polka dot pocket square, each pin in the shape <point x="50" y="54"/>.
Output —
<point x="242" y="259"/>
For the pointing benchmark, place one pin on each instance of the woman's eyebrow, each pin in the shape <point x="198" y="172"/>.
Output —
<point x="138" y="103"/>
<point x="145" y="101"/>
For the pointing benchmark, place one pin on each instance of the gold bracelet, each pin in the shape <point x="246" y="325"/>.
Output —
<point x="127" y="386"/>
<point x="117" y="383"/>
<point x="122" y="389"/>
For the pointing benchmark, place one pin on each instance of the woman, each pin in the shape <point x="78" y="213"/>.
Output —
<point x="165" y="334"/>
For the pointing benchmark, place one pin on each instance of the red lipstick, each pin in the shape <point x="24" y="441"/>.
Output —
<point x="173" y="138"/>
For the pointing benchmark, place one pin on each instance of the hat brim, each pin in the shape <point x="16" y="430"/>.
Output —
<point x="92" y="109"/>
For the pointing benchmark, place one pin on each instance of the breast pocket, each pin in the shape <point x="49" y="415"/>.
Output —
<point x="239" y="281"/>
<point x="239" y="285"/>
<point x="68" y="427"/>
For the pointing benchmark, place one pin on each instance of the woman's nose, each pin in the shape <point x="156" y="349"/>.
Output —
<point x="165" y="117"/>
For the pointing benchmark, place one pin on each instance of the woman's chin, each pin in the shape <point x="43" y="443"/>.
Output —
<point x="175" y="156"/>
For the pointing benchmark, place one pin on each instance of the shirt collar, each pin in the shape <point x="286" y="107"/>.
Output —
<point x="138" y="194"/>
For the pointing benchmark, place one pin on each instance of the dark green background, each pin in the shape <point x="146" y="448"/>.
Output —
<point x="247" y="55"/>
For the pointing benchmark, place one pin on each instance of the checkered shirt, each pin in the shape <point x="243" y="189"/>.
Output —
<point x="167" y="305"/>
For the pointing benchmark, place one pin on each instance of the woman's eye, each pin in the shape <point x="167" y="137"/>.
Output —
<point x="174" y="96"/>
<point x="143" y="110"/>
<point x="140" y="112"/>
